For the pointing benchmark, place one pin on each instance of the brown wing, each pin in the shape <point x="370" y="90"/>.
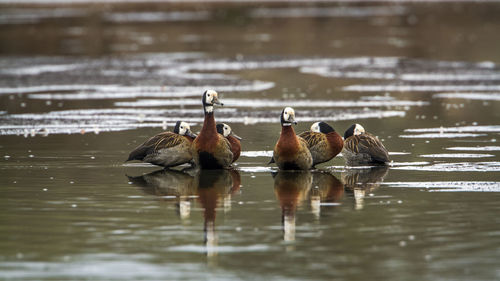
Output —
<point x="154" y="144"/>
<point x="371" y="145"/>
<point x="312" y="138"/>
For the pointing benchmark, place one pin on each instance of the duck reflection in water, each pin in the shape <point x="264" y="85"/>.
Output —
<point x="361" y="181"/>
<point x="326" y="190"/>
<point x="169" y="185"/>
<point x="291" y="188"/>
<point x="210" y="187"/>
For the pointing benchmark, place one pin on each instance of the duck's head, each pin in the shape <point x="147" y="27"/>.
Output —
<point x="209" y="99"/>
<point x="183" y="129"/>
<point x="354" y="130"/>
<point x="288" y="117"/>
<point x="322" y="127"/>
<point x="225" y="130"/>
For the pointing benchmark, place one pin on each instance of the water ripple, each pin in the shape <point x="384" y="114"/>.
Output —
<point x="467" y="186"/>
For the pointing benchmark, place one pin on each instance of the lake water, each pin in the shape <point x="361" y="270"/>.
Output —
<point x="83" y="85"/>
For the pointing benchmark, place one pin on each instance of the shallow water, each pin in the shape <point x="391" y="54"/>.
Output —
<point x="81" y="86"/>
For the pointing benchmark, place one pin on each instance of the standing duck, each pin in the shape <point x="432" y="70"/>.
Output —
<point x="167" y="149"/>
<point x="291" y="152"/>
<point x="361" y="148"/>
<point x="324" y="143"/>
<point x="210" y="149"/>
<point x="233" y="139"/>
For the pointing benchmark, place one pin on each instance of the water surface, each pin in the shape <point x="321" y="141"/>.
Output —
<point x="81" y="86"/>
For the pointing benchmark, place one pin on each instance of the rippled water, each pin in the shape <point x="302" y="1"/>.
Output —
<point x="81" y="86"/>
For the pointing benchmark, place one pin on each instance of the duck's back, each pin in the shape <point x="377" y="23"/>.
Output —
<point x="165" y="149"/>
<point x="323" y="147"/>
<point x="364" y="149"/>
<point x="235" y="147"/>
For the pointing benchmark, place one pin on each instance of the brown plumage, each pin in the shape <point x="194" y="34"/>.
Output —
<point x="210" y="149"/>
<point x="363" y="148"/>
<point x="233" y="139"/>
<point x="166" y="149"/>
<point x="291" y="151"/>
<point x="323" y="142"/>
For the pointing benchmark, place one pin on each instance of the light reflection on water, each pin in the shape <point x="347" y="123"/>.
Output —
<point x="84" y="86"/>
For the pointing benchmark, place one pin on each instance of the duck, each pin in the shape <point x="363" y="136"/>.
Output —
<point x="167" y="149"/>
<point x="225" y="130"/>
<point x="362" y="148"/>
<point x="323" y="141"/>
<point x="210" y="149"/>
<point x="291" y="151"/>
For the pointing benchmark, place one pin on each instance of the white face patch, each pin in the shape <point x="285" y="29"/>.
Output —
<point x="227" y="130"/>
<point x="210" y="96"/>
<point x="315" y="127"/>
<point x="358" y="130"/>
<point x="288" y="114"/>
<point x="183" y="128"/>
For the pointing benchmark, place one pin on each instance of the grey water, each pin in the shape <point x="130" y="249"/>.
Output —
<point x="81" y="85"/>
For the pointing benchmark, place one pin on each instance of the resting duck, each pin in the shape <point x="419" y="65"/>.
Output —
<point x="291" y="151"/>
<point x="324" y="143"/>
<point x="233" y="139"/>
<point x="210" y="149"/>
<point x="362" y="148"/>
<point x="167" y="149"/>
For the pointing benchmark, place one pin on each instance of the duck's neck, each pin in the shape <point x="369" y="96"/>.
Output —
<point x="209" y="124"/>
<point x="288" y="133"/>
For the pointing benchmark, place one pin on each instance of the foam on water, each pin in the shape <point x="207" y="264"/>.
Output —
<point x="40" y="69"/>
<point x="369" y="11"/>
<point x="456" y="155"/>
<point x="442" y="136"/>
<point x="256" y="169"/>
<point x="264" y="153"/>
<point x="30" y="16"/>
<point x="398" y="153"/>
<point x="220" y="249"/>
<point x="461" y="129"/>
<point x="420" y="88"/>
<point x="106" y="120"/>
<point x="258" y="103"/>
<point x="474" y="148"/>
<point x="157" y="16"/>
<point x="120" y="92"/>
<point x="455" y="167"/>
<point x="463" y="76"/>
<point x="464" y="186"/>
<point x="469" y="96"/>
<point x="396" y="164"/>
<point x="325" y="71"/>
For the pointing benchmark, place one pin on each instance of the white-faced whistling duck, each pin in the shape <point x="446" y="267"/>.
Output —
<point x="233" y="139"/>
<point x="291" y="151"/>
<point x="167" y="149"/>
<point x="362" y="148"/>
<point x="210" y="149"/>
<point x="324" y="143"/>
